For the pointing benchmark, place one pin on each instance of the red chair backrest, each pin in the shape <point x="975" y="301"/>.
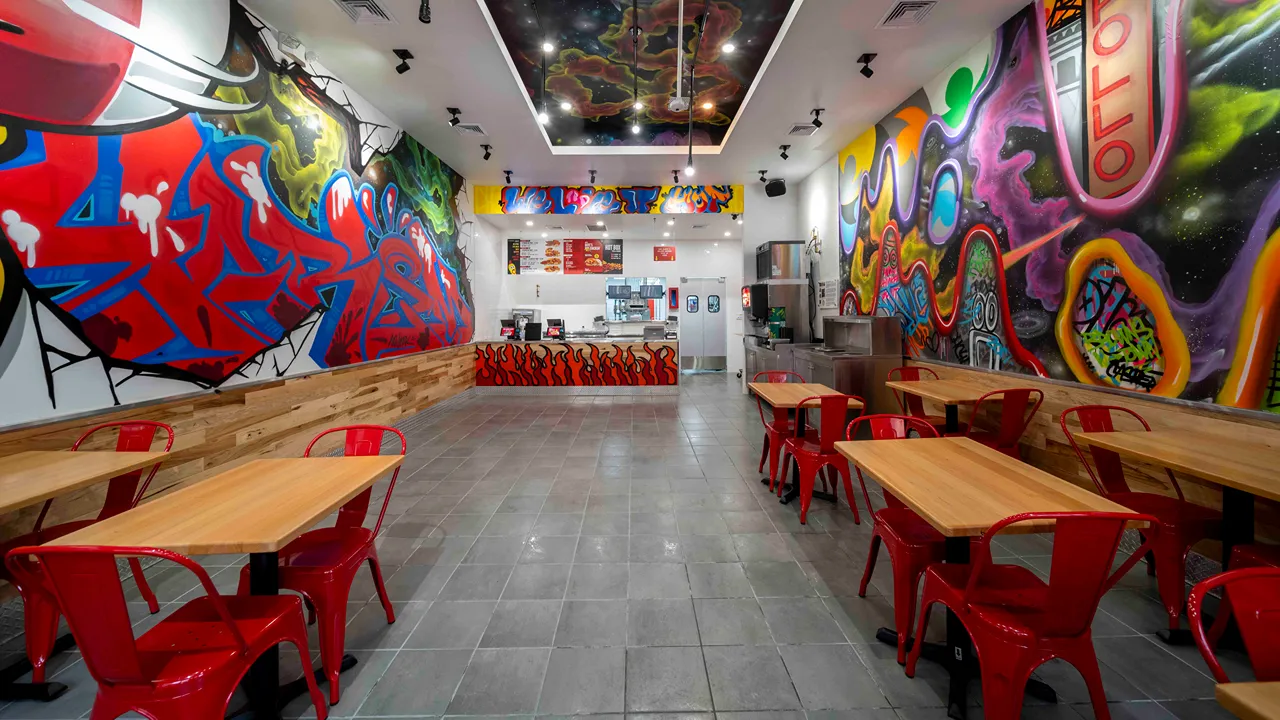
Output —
<point x="1084" y="552"/>
<point x="833" y="410"/>
<point x="1017" y="407"/>
<point x="1107" y="471"/>
<point x="773" y="376"/>
<point x="910" y="404"/>
<point x="887" y="427"/>
<point x="362" y="440"/>
<point x="1255" y="604"/>
<point x="124" y="491"/>
<point x="86" y="584"/>
<point x="778" y="376"/>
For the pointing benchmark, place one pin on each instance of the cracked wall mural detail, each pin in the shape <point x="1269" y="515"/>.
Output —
<point x="1073" y="201"/>
<point x="230" y="216"/>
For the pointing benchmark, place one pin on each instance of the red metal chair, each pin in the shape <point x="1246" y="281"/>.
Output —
<point x="1183" y="523"/>
<point x="40" y="613"/>
<point x="189" y="664"/>
<point x="1242" y="557"/>
<point x="1255" y="595"/>
<point x="913" y="405"/>
<point x="322" y="563"/>
<point x="815" y="452"/>
<point x="911" y="542"/>
<point x="777" y="430"/>
<point x="1017" y="407"/>
<point x="1019" y="622"/>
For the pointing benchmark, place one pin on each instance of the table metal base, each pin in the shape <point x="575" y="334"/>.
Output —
<point x="11" y="689"/>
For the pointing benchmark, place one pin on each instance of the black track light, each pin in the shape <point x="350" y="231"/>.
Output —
<point x="487" y="153"/>
<point x="508" y="174"/>
<point x="675" y="177"/>
<point x="865" y="60"/>
<point x="424" y="12"/>
<point x="816" y="112"/>
<point x="402" y="68"/>
<point x="593" y="176"/>
<point x="404" y="56"/>
<point x="784" y="149"/>
<point x="453" y="121"/>
<point x="763" y="179"/>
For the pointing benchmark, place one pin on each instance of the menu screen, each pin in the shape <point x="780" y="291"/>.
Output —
<point x="568" y="257"/>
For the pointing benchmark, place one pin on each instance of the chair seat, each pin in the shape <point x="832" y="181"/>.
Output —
<point x="1009" y="601"/>
<point x="194" y="641"/>
<point x="1170" y="510"/>
<point x="808" y="445"/>
<point x="905" y="526"/>
<point x="326" y="548"/>
<point x="1254" y="555"/>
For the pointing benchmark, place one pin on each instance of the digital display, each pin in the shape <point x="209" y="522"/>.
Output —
<point x="618" y="292"/>
<point x="651" y="292"/>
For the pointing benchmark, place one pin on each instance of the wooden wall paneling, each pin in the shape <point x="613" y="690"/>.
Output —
<point x="1045" y="446"/>
<point x="219" y="430"/>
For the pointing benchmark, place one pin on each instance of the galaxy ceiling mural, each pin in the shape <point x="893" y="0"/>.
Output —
<point x="190" y="210"/>
<point x="590" y="84"/>
<point x="1092" y="194"/>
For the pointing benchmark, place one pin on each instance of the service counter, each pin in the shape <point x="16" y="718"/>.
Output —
<point x="550" y="363"/>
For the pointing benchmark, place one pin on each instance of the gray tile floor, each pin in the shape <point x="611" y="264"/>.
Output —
<point x="555" y="555"/>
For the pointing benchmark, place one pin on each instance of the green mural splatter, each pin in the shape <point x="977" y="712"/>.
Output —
<point x="1219" y="117"/>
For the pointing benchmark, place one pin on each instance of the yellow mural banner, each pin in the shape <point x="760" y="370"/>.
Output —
<point x="612" y="200"/>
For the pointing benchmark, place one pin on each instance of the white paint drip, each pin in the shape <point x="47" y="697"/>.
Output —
<point x="146" y="209"/>
<point x="24" y="234"/>
<point x="256" y="186"/>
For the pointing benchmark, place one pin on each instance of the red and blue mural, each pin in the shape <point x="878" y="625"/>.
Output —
<point x="627" y="200"/>
<point x="270" y="224"/>
<point x="1091" y="194"/>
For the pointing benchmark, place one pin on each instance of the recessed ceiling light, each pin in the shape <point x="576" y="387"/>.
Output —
<point x="708" y="252"/>
<point x="605" y="234"/>
<point x="708" y="105"/>
<point x="727" y="233"/>
<point x="728" y="47"/>
<point x="672" y="221"/>
<point x="715" y="244"/>
<point x="600" y="221"/>
<point x="544" y="234"/>
<point x="529" y="223"/>
<point x="566" y="106"/>
<point x="739" y="221"/>
<point x="548" y="47"/>
<point x="666" y="234"/>
<point x="543" y="118"/>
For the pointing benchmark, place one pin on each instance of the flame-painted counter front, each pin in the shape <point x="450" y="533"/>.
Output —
<point x="566" y="364"/>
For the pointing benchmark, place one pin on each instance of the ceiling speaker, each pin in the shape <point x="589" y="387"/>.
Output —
<point x="774" y="188"/>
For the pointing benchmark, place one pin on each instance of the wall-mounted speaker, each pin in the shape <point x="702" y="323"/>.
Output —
<point x="774" y="188"/>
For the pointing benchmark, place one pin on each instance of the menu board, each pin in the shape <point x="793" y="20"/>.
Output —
<point x="568" y="257"/>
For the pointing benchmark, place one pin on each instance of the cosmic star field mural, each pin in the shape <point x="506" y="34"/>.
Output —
<point x="184" y="208"/>
<point x="1092" y="194"/>
<point x="590" y="67"/>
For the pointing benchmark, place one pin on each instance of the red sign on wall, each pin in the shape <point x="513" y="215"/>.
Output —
<point x="664" y="253"/>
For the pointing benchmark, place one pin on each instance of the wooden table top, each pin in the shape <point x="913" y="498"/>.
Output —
<point x="1234" y="462"/>
<point x="31" y="477"/>
<point x="947" y="392"/>
<point x="787" y="395"/>
<point x="1250" y="700"/>
<point x="256" y="507"/>
<point x="962" y="487"/>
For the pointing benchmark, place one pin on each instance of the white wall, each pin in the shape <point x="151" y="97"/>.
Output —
<point x="488" y="259"/>
<point x="819" y="206"/>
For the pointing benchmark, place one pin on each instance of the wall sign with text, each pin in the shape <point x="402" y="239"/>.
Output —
<point x="564" y="257"/>
<point x="664" y="253"/>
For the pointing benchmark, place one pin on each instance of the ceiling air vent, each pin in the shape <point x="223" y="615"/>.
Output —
<point x="908" y="13"/>
<point x="592" y="227"/>
<point x="802" y="130"/>
<point x="470" y="130"/>
<point x="699" y="227"/>
<point x="555" y="228"/>
<point x="365" y="12"/>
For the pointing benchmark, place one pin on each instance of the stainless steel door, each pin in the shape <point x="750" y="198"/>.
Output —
<point x="703" y="331"/>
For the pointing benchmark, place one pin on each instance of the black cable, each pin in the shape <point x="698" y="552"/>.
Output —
<point x="693" y="69"/>
<point x="635" y="63"/>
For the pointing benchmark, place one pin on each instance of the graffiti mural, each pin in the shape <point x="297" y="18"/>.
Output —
<point x="569" y="364"/>
<point x="160" y="240"/>
<point x="1072" y="201"/>
<point x="631" y="200"/>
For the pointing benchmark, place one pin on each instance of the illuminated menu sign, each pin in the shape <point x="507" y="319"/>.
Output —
<point x="567" y="257"/>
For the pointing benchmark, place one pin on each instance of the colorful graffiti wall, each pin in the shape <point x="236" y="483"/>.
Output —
<point x="1092" y="195"/>
<point x="186" y="210"/>
<point x="569" y="364"/>
<point x="627" y="200"/>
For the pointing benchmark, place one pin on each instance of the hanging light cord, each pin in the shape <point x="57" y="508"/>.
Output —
<point x="693" y="69"/>
<point x="635" y="63"/>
